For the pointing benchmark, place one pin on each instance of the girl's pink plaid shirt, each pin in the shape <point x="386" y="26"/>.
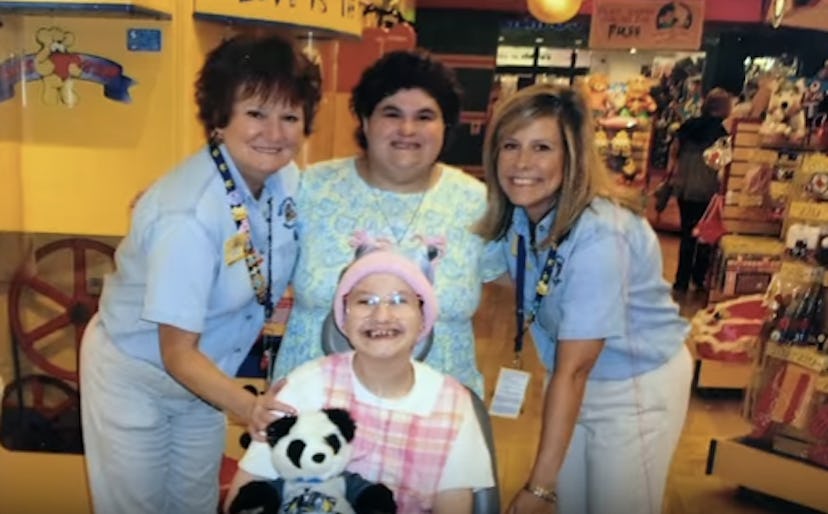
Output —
<point x="405" y="451"/>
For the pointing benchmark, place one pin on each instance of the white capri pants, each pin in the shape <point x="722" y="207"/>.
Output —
<point x="151" y="446"/>
<point x="624" y="440"/>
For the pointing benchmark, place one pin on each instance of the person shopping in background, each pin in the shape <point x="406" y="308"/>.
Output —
<point x="599" y="311"/>
<point x="210" y="249"/>
<point x="406" y="104"/>
<point x="694" y="184"/>
<point x="416" y="430"/>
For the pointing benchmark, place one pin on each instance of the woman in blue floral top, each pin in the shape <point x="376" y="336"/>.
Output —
<point x="395" y="190"/>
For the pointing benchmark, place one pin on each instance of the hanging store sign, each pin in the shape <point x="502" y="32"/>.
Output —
<point x="646" y="24"/>
<point x="515" y="56"/>
<point x="342" y="16"/>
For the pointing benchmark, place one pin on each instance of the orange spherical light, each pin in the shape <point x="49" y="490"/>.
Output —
<point x="554" y="11"/>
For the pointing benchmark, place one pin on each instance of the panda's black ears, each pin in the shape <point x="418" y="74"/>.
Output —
<point x="343" y="421"/>
<point x="279" y="429"/>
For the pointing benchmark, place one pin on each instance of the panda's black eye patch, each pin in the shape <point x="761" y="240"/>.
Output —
<point x="294" y="451"/>
<point x="333" y="442"/>
<point x="279" y="429"/>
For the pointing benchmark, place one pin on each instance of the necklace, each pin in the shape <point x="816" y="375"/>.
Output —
<point x="397" y="235"/>
<point x="397" y="207"/>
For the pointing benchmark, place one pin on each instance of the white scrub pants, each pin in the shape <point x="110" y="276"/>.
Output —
<point x="624" y="440"/>
<point x="151" y="446"/>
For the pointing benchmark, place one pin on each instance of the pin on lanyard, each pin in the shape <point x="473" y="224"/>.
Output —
<point x="551" y="266"/>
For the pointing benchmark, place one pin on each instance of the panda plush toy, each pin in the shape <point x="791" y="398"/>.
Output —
<point x="309" y="453"/>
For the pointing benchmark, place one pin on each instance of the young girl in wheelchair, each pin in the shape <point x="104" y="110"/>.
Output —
<point x="417" y="431"/>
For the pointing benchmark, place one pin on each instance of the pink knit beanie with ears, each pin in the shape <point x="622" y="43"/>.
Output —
<point x="386" y="261"/>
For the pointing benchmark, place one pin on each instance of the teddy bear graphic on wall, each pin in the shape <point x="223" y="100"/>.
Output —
<point x="57" y="66"/>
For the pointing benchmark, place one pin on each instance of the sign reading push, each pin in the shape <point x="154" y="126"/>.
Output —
<point x="646" y="24"/>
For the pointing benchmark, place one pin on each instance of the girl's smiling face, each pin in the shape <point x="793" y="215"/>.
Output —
<point x="383" y="317"/>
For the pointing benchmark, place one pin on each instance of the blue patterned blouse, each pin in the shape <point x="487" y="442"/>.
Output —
<point x="336" y="203"/>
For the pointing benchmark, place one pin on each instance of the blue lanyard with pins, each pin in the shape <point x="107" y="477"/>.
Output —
<point x="252" y="257"/>
<point x="551" y="266"/>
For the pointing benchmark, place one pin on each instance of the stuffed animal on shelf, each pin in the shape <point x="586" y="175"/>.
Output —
<point x="601" y="141"/>
<point x="621" y="144"/>
<point x="617" y="96"/>
<point x="597" y="86"/>
<point x="812" y="99"/>
<point x="620" y="157"/>
<point x="629" y="171"/>
<point x="309" y="453"/>
<point x="640" y="104"/>
<point x="692" y="100"/>
<point x="785" y="116"/>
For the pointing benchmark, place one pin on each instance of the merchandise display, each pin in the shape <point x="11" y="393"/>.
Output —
<point x="727" y="331"/>
<point x="744" y="265"/>
<point x="784" y="343"/>
<point x="622" y="112"/>
<point x="788" y="400"/>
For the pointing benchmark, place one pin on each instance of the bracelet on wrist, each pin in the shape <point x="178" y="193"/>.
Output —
<point x="544" y="494"/>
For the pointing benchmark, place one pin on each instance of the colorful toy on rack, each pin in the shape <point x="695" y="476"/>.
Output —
<point x="597" y="86"/>
<point x="617" y="100"/>
<point x="620" y="158"/>
<point x="813" y="98"/>
<point x="744" y="265"/>
<point x="640" y="104"/>
<point x="728" y="331"/>
<point x="785" y="117"/>
<point x="692" y="98"/>
<point x="601" y="142"/>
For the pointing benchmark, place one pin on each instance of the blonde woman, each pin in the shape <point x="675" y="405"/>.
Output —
<point x="599" y="311"/>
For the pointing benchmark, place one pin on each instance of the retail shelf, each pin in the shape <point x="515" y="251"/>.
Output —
<point x="105" y="10"/>
<point x="769" y="473"/>
<point x="318" y="33"/>
<point x="716" y="374"/>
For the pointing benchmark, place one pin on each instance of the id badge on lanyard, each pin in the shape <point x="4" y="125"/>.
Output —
<point x="512" y="383"/>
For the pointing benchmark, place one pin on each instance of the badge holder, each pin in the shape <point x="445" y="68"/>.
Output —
<point x="510" y="390"/>
<point x="512" y="383"/>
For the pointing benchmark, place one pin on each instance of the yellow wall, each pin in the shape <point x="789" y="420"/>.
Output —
<point x="81" y="165"/>
<point x="72" y="171"/>
<point x="10" y="127"/>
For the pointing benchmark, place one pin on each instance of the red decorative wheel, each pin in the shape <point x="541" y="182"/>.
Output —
<point x="41" y="413"/>
<point x="57" y="300"/>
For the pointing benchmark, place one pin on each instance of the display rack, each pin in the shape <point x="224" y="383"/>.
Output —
<point x="786" y="452"/>
<point x="742" y="215"/>
<point x="629" y="164"/>
<point x="744" y="261"/>
<point x="789" y="479"/>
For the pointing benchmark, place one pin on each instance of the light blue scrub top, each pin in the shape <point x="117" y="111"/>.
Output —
<point x="609" y="287"/>
<point x="171" y="266"/>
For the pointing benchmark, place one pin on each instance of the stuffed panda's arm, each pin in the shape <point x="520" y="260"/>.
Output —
<point x="368" y="497"/>
<point x="257" y="497"/>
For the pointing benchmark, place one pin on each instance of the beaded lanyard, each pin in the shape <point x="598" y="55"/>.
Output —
<point x="252" y="257"/>
<point x="551" y="265"/>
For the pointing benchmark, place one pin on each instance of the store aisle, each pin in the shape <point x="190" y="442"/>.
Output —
<point x="689" y="490"/>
